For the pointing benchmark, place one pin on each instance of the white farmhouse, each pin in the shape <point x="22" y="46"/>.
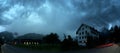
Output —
<point x="84" y="32"/>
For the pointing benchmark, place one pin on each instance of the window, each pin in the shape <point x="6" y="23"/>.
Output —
<point x="80" y="41"/>
<point x="86" y="32"/>
<point x="85" y="41"/>
<point x="79" y="37"/>
<point x="24" y="43"/>
<point x="32" y="43"/>
<point x="37" y="43"/>
<point x="27" y="43"/>
<point x="82" y="37"/>
<point x="85" y="37"/>
<point x="82" y="32"/>
<point x="14" y="42"/>
<point x="82" y="28"/>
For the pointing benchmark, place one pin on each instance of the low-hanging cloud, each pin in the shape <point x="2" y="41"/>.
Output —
<point x="60" y="16"/>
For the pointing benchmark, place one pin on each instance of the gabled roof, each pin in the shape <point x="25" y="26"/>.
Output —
<point x="86" y="26"/>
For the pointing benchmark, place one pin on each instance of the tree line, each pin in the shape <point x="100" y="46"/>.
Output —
<point x="68" y="43"/>
<point x="110" y="36"/>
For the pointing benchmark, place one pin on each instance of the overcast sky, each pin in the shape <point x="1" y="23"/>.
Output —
<point x="60" y="16"/>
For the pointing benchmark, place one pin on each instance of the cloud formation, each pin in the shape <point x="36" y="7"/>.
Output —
<point x="60" y="16"/>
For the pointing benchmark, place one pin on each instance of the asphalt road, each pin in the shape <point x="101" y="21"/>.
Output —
<point x="112" y="49"/>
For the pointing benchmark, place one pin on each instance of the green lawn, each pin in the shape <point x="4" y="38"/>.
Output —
<point x="48" y="47"/>
<point x="42" y="47"/>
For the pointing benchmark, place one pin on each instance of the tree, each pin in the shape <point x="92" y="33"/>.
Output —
<point x="115" y="34"/>
<point x="70" y="38"/>
<point x="69" y="43"/>
<point x="92" y="41"/>
<point x="104" y="36"/>
<point x="52" y="38"/>
<point x="6" y="36"/>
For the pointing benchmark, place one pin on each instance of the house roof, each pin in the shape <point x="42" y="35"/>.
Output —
<point x="87" y="26"/>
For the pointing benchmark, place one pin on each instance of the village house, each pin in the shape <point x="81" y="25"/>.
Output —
<point x="27" y="41"/>
<point x="86" y="35"/>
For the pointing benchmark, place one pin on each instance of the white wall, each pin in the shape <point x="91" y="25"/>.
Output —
<point x="82" y="35"/>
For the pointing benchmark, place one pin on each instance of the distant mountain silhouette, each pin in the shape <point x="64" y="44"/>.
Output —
<point x="31" y="36"/>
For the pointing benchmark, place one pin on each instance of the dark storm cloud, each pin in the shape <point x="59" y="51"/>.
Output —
<point x="34" y="3"/>
<point x="102" y="13"/>
<point x="61" y="16"/>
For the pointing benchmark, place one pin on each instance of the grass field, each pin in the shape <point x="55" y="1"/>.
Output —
<point x="42" y="47"/>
